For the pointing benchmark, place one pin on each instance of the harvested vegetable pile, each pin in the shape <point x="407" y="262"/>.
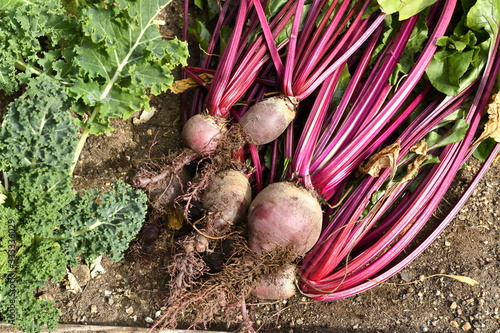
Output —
<point x="348" y="120"/>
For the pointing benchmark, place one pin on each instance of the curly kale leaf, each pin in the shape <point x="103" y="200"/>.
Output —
<point x="121" y="55"/>
<point x="29" y="314"/>
<point x="98" y="223"/>
<point x="33" y="36"/>
<point x="8" y="218"/>
<point x="38" y="130"/>
<point x="41" y="196"/>
<point x="22" y="270"/>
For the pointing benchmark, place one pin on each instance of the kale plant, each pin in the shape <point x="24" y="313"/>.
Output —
<point x="95" y="60"/>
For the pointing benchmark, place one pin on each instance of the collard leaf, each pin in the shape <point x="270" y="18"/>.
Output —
<point x="406" y="9"/>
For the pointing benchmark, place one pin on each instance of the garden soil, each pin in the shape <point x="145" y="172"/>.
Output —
<point x="133" y="292"/>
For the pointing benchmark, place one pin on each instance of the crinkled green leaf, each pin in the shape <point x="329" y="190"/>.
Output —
<point x="406" y="9"/>
<point x="31" y="34"/>
<point x="40" y="196"/>
<point x="123" y="54"/>
<point x="104" y="222"/>
<point x="32" y="314"/>
<point x="38" y="129"/>
<point x="458" y="62"/>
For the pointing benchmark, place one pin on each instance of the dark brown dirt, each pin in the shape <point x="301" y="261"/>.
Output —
<point x="133" y="292"/>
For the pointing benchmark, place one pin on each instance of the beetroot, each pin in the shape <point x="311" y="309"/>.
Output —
<point x="284" y="216"/>
<point x="202" y="133"/>
<point x="227" y="198"/>
<point x="267" y="120"/>
<point x="277" y="285"/>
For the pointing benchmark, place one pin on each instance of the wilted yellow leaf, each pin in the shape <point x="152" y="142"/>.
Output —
<point x="180" y="86"/>
<point x="175" y="219"/>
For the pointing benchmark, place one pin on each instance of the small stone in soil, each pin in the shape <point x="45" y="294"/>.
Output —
<point x="405" y="276"/>
<point x="453" y="323"/>
<point x="93" y="308"/>
<point x="129" y="310"/>
<point x="149" y="320"/>
<point x="466" y="326"/>
<point x="453" y="305"/>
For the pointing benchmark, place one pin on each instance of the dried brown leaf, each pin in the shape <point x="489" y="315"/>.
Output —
<point x="492" y="126"/>
<point x="386" y="158"/>
<point x="420" y="148"/>
<point x="180" y="86"/>
<point x="464" y="279"/>
<point x="413" y="168"/>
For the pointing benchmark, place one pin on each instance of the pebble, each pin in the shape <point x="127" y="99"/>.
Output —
<point x="157" y="313"/>
<point x="466" y="326"/>
<point x="110" y="301"/>
<point x="299" y="321"/>
<point x="453" y="323"/>
<point x="149" y="320"/>
<point x="93" y="308"/>
<point x="405" y="276"/>
<point x="453" y="305"/>
<point x="129" y="310"/>
<point x="446" y="243"/>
